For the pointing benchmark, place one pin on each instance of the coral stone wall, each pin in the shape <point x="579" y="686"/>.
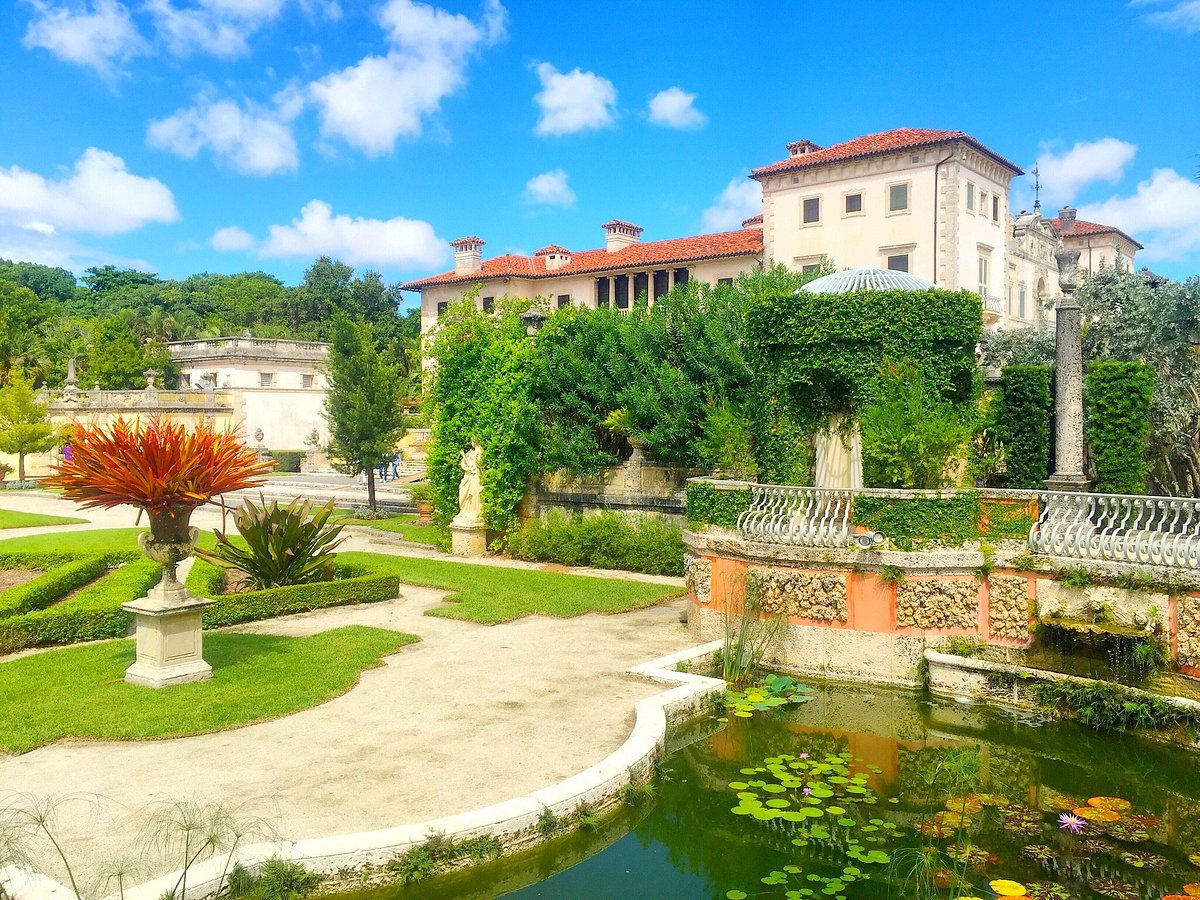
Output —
<point x="820" y="596"/>
<point x="697" y="576"/>
<point x="937" y="605"/>
<point x="1188" y="632"/>
<point x="1010" y="607"/>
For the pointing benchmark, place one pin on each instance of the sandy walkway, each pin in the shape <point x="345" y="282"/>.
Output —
<point x="470" y="716"/>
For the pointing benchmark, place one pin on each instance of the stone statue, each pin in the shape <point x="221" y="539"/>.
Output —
<point x="838" y="455"/>
<point x="469" y="503"/>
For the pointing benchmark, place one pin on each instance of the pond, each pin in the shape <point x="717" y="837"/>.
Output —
<point x="876" y="793"/>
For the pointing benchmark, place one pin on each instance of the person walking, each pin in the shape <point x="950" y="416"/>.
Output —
<point x="396" y="460"/>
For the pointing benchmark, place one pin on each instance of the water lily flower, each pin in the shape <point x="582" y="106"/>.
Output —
<point x="1072" y="823"/>
<point x="804" y="756"/>
<point x="807" y="792"/>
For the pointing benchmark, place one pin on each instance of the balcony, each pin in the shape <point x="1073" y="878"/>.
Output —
<point x="247" y="348"/>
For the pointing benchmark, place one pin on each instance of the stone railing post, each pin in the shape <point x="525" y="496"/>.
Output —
<point x="1068" y="379"/>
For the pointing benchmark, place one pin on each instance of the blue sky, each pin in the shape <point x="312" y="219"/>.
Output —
<point x="226" y="135"/>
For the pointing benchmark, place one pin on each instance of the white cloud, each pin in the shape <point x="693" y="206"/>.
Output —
<point x="99" y="35"/>
<point x="251" y="140"/>
<point x="741" y="199"/>
<point x="99" y="196"/>
<point x="1063" y="175"/>
<point x="1163" y="213"/>
<point x="219" y="27"/>
<point x="396" y="242"/>
<point x="379" y="99"/>
<point x="1182" y="15"/>
<point x="573" y="101"/>
<point x="35" y="243"/>
<point x="550" y="189"/>
<point x="676" y="108"/>
<point x="232" y="239"/>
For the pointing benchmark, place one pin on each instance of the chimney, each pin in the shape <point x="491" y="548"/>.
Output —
<point x="799" y="148"/>
<point x="618" y="235"/>
<point x="556" y="257"/>
<point x="468" y="255"/>
<point x="1066" y="220"/>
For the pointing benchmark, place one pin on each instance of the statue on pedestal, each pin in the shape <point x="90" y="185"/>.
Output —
<point x="469" y="502"/>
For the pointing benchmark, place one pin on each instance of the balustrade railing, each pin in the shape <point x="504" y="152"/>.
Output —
<point x="1153" y="531"/>
<point x="802" y="516"/>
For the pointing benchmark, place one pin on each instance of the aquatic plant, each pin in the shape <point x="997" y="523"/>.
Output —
<point x="748" y="634"/>
<point x="771" y="691"/>
<point x="1072" y="823"/>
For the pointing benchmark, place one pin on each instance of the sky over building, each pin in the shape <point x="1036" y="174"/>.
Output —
<point x="227" y="135"/>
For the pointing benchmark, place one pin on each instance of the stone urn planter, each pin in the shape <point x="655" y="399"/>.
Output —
<point x="424" y="511"/>
<point x="169" y="619"/>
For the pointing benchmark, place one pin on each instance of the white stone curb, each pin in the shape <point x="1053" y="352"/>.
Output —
<point x="514" y="820"/>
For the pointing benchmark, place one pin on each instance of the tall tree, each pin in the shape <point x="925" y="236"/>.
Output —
<point x="363" y="403"/>
<point x="24" y="427"/>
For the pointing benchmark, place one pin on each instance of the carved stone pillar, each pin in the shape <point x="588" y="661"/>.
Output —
<point x="1068" y="379"/>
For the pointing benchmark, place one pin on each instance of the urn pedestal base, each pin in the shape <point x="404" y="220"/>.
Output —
<point x="468" y="539"/>
<point x="170" y="641"/>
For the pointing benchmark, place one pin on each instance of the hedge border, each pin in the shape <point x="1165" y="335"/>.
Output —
<point x="709" y="505"/>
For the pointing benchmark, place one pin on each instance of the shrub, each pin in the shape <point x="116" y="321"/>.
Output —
<point x="1025" y="420"/>
<point x="1119" y="396"/>
<point x="912" y="523"/>
<point x="287" y="460"/>
<point x="607" y="540"/>
<point x="909" y="433"/>
<point x="709" y="505"/>
<point x="725" y="443"/>
<point x="65" y="575"/>
<point x="285" y="545"/>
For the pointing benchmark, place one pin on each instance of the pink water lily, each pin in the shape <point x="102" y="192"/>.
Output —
<point x="1071" y="822"/>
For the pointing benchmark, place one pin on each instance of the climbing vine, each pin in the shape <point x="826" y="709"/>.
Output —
<point x="709" y="505"/>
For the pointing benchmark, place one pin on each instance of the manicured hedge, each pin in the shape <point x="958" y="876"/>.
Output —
<point x="1118" y="400"/>
<point x="708" y="505"/>
<point x="287" y="460"/>
<point x="1025" y="421"/>
<point x="355" y="584"/>
<point x="606" y="540"/>
<point x="92" y="614"/>
<point x="912" y="523"/>
<point x="53" y="585"/>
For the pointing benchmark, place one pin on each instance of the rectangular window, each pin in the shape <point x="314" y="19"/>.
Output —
<point x="641" y="286"/>
<point x="662" y="283"/>
<point x="306" y="381"/>
<point x="265" y="379"/>
<point x="681" y="276"/>
<point x="442" y="307"/>
<point x="983" y="202"/>
<point x="1021" y="308"/>
<point x="853" y="203"/>
<point x="898" y="197"/>
<point x="809" y="268"/>
<point x="995" y="207"/>
<point x="564" y="300"/>
<point x="898" y="262"/>
<point x="985" y="274"/>
<point x="725" y="281"/>
<point x="971" y="196"/>
<point x="621" y="291"/>
<point x="488" y="303"/>
<point x="812" y="210"/>
<point x="601" y="292"/>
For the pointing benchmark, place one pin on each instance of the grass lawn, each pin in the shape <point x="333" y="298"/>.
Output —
<point x="100" y="540"/>
<point x="403" y="524"/>
<point x="494" y="594"/>
<point x="78" y="692"/>
<point x="10" y="518"/>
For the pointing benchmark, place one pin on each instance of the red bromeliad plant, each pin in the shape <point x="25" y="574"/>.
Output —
<point x="158" y="466"/>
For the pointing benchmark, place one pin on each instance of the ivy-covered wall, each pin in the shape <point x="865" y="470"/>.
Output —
<point x="710" y="505"/>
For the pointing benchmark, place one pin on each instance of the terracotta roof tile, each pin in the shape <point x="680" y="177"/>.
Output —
<point x="877" y="145"/>
<point x="753" y="220"/>
<point x="1086" y="228"/>
<point x="746" y="242"/>
<point x="551" y="248"/>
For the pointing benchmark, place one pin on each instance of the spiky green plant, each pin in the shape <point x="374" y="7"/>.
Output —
<point x="284" y="545"/>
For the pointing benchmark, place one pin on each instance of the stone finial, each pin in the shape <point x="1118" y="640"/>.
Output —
<point x="258" y="435"/>
<point x="150" y="376"/>
<point x="71" y="379"/>
<point x="1068" y="269"/>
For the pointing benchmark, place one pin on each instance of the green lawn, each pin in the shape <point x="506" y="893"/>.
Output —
<point x="10" y="518"/>
<point x="98" y="540"/>
<point x="79" y="692"/>
<point x="494" y="594"/>
<point x="404" y="524"/>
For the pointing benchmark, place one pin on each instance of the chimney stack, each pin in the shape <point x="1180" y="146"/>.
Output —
<point x="799" y="148"/>
<point x="468" y="255"/>
<point x="556" y="257"/>
<point x="1066" y="220"/>
<point x="618" y="235"/>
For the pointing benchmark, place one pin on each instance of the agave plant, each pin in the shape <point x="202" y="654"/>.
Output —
<point x="290" y="544"/>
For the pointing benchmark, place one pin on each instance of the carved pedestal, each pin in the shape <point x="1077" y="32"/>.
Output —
<point x="468" y="538"/>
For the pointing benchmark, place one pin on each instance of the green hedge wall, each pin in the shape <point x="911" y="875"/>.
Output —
<point x="287" y="460"/>
<point x="1025" y="421"/>
<point x="912" y="523"/>
<point x="1117" y="398"/>
<point x="65" y="574"/>
<point x="706" y="505"/>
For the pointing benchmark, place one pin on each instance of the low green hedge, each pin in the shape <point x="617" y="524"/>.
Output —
<point x="708" y="505"/>
<point x="355" y="584"/>
<point x="63" y="574"/>
<point x="913" y="523"/>
<point x="92" y="614"/>
<point x="287" y="460"/>
<point x="606" y="540"/>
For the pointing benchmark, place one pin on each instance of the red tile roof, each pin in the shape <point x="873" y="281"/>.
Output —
<point x="551" y="248"/>
<point x="753" y="220"/>
<point x="1086" y="228"/>
<point x="746" y="242"/>
<point x="878" y="145"/>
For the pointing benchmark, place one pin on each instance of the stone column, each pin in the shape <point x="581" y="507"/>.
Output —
<point x="1068" y="379"/>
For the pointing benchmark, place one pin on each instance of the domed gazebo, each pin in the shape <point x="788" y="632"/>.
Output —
<point x="867" y="278"/>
